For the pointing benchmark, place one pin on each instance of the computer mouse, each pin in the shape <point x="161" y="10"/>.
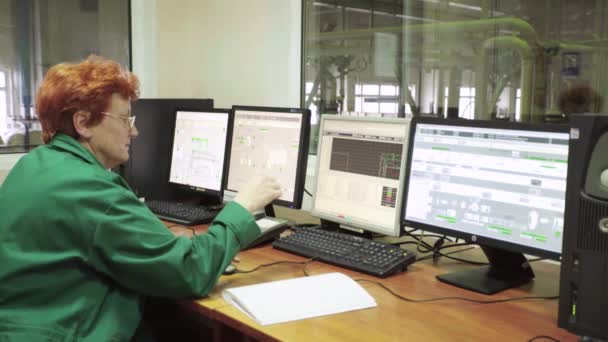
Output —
<point x="230" y="269"/>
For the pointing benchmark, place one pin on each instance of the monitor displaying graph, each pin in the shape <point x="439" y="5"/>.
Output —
<point x="360" y="166"/>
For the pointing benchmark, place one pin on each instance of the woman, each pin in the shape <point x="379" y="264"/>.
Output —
<point x="78" y="250"/>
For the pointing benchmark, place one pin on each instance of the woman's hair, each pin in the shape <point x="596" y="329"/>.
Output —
<point x="580" y="99"/>
<point x="88" y="86"/>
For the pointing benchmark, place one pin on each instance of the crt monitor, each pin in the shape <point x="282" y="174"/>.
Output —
<point x="360" y="164"/>
<point x="199" y="149"/>
<point x="269" y="141"/>
<point x="501" y="185"/>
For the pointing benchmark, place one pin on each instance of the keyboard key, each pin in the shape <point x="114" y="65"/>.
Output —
<point x="348" y="251"/>
<point x="186" y="214"/>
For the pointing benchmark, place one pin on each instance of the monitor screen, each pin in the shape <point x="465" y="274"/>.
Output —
<point x="497" y="184"/>
<point x="273" y="142"/>
<point x="360" y="163"/>
<point x="147" y="170"/>
<point x="199" y="146"/>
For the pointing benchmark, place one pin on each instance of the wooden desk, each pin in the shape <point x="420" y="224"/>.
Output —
<point x="394" y="319"/>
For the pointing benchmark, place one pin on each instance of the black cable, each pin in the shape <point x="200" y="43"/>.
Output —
<point x="432" y="256"/>
<point x="307" y="192"/>
<point x="543" y="337"/>
<point x="454" y="298"/>
<point x="272" y="264"/>
<point x="536" y="259"/>
<point x="306" y="265"/>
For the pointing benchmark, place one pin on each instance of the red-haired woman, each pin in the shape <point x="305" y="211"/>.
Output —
<point x="79" y="250"/>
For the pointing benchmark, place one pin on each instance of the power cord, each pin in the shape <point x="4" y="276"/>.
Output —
<point x="307" y="192"/>
<point x="305" y="263"/>
<point x="453" y="298"/>
<point x="545" y="337"/>
<point x="187" y="227"/>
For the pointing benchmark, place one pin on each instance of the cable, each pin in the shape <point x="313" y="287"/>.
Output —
<point x="453" y="298"/>
<point x="536" y="259"/>
<point x="307" y="192"/>
<point x="543" y="337"/>
<point x="306" y="265"/>
<point x="445" y="254"/>
<point x="275" y="263"/>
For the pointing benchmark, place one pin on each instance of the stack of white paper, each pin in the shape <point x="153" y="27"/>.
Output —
<point x="299" y="298"/>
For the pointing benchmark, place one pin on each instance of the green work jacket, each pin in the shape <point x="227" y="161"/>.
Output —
<point x="79" y="252"/>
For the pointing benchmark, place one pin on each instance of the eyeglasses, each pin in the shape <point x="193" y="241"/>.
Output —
<point x="129" y="120"/>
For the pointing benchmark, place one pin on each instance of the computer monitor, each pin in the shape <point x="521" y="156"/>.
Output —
<point x="498" y="184"/>
<point x="147" y="170"/>
<point x="269" y="141"/>
<point x="199" y="149"/>
<point x="360" y="164"/>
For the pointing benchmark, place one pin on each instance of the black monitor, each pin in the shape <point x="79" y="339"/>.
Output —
<point x="147" y="170"/>
<point x="360" y="168"/>
<point x="498" y="184"/>
<point x="269" y="141"/>
<point x="198" y="150"/>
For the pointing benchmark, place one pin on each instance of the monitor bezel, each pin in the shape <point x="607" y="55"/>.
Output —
<point x="364" y="225"/>
<point x="296" y="202"/>
<point x="191" y="188"/>
<point x="472" y="238"/>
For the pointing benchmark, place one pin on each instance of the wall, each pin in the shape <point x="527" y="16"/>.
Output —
<point x="234" y="51"/>
<point x="237" y="52"/>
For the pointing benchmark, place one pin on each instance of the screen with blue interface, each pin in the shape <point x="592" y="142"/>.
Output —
<point x="504" y="184"/>
<point x="199" y="146"/>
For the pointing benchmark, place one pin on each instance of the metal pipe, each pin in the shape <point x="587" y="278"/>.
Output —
<point x="527" y="65"/>
<point x="513" y="24"/>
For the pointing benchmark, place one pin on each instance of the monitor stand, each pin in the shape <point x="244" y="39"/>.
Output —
<point x="334" y="226"/>
<point x="506" y="270"/>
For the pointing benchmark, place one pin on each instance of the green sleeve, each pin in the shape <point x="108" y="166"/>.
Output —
<point x="135" y="249"/>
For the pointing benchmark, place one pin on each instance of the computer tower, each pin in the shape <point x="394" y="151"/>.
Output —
<point x="147" y="170"/>
<point x="583" y="302"/>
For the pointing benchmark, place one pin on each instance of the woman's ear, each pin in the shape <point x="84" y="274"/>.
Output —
<point x="80" y="121"/>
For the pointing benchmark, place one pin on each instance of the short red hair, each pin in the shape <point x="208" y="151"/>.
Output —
<point x="89" y="85"/>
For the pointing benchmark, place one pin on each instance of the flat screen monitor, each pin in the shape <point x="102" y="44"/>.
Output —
<point x="360" y="164"/>
<point x="269" y="141"/>
<point x="501" y="185"/>
<point x="147" y="170"/>
<point x="199" y="149"/>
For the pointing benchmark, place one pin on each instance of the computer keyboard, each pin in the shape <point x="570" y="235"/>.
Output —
<point x="186" y="214"/>
<point x="348" y="251"/>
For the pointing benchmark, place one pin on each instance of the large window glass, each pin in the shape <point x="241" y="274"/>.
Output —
<point x="518" y="60"/>
<point x="37" y="34"/>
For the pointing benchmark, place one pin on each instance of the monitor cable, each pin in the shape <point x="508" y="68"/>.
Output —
<point x="455" y="298"/>
<point x="543" y="337"/>
<point x="305" y="263"/>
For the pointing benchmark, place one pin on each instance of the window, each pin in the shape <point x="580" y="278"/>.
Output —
<point x="3" y="97"/>
<point x="43" y="41"/>
<point x="381" y="99"/>
<point x="509" y="60"/>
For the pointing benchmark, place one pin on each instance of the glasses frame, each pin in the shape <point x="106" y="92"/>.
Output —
<point x="129" y="120"/>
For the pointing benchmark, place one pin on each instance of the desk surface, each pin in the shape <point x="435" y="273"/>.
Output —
<point x="395" y="319"/>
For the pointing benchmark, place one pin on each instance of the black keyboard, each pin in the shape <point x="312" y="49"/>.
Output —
<point x="348" y="251"/>
<point x="186" y="214"/>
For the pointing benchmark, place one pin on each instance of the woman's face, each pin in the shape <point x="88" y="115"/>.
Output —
<point x="111" y="138"/>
